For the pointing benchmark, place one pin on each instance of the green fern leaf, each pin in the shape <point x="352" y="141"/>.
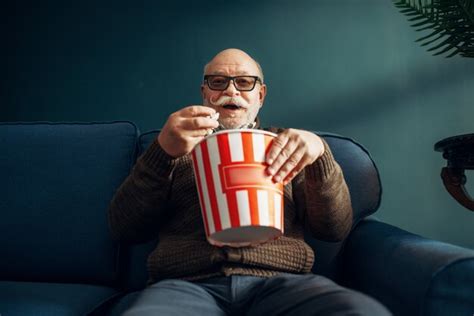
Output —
<point x="452" y="21"/>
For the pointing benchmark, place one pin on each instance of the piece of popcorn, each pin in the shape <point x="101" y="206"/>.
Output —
<point x="215" y="116"/>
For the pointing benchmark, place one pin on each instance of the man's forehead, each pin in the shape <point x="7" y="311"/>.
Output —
<point x="223" y="67"/>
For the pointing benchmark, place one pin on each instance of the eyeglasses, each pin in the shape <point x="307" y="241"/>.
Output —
<point x="241" y="83"/>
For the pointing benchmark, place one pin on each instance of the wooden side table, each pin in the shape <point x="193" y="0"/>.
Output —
<point x="459" y="151"/>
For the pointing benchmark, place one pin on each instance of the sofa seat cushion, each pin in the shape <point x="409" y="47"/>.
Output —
<point x="50" y="299"/>
<point x="122" y="304"/>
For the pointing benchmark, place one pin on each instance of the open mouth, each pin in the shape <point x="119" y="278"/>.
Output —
<point x="232" y="107"/>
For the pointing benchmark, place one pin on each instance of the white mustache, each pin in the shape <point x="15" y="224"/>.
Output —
<point x="229" y="100"/>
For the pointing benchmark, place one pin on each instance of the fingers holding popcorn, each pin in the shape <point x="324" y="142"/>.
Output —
<point x="185" y="128"/>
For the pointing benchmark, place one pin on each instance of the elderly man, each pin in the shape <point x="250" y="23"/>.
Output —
<point x="189" y="276"/>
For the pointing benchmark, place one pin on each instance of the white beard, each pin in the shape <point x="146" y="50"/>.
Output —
<point x="232" y="121"/>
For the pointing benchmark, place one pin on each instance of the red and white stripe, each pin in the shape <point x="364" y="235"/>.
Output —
<point x="233" y="188"/>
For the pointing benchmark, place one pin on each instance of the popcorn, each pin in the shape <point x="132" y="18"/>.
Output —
<point x="214" y="116"/>
<point x="221" y="127"/>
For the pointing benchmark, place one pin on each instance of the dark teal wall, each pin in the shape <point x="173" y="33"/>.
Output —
<point x="349" y="67"/>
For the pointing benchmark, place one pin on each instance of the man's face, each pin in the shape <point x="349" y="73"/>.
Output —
<point x="236" y="108"/>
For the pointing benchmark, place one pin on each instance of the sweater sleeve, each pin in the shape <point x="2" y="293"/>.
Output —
<point x="327" y="199"/>
<point x="139" y="204"/>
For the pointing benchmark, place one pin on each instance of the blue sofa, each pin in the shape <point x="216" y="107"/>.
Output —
<point x="57" y="256"/>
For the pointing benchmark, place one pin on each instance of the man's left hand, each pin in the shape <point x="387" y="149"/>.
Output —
<point x="290" y="152"/>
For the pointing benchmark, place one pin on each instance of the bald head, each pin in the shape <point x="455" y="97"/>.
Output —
<point x="232" y="58"/>
<point x="237" y="107"/>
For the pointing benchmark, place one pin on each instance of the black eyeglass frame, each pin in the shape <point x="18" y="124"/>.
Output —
<point x="229" y="78"/>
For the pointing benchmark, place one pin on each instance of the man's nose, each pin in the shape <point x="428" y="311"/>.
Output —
<point x="231" y="90"/>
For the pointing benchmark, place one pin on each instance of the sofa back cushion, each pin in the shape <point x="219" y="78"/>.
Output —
<point x="134" y="256"/>
<point x="57" y="182"/>
<point x="360" y="172"/>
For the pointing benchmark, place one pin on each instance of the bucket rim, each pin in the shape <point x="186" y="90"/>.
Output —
<point x="239" y="130"/>
<point x="236" y="130"/>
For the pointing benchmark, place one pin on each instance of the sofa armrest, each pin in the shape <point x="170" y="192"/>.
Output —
<point x="409" y="274"/>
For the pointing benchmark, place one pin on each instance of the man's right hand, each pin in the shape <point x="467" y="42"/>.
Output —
<point x="185" y="128"/>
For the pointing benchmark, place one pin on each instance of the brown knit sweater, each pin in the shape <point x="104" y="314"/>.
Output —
<point x="159" y="199"/>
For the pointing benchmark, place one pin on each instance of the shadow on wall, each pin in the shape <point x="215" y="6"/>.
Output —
<point x="377" y="96"/>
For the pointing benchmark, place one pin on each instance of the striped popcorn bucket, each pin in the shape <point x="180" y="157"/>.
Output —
<point x="240" y="204"/>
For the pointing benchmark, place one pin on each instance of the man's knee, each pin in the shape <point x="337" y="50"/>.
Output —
<point x="340" y="300"/>
<point x="355" y="303"/>
<point x="314" y="295"/>
<point x="173" y="297"/>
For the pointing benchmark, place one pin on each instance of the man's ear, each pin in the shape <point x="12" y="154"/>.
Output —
<point x="262" y="93"/>
<point x="202" y="91"/>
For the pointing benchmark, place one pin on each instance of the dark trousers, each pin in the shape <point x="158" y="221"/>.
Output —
<point x="247" y="295"/>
